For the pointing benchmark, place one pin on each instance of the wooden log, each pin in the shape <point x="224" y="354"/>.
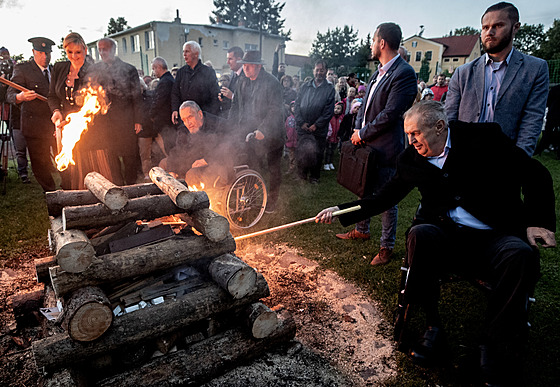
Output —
<point x="233" y="275"/>
<point x="65" y="378"/>
<point x="57" y="200"/>
<point x="176" y="251"/>
<point x="210" y="224"/>
<point x="152" y="322"/>
<point x="87" y="314"/>
<point x="261" y="320"/>
<point x="24" y="304"/>
<point x="74" y="251"/>
<point x="180" y="194"/>
<point x="108" y="193"/>
<point x="204" y="360"/>
<point x="56" y="226"/>
<point x="42" y="266"/>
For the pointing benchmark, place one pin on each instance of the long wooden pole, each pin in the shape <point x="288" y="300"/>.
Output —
<point x="288" y="225"/>
<point x="20" y="88"/>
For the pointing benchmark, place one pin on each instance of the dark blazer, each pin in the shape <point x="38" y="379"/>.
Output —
<point x="315" y="105"/>
<point x="485" y="173"/>
<point x="58" y="93"/>
<point x="160" y="110"/>
<point x="199" y="85"/>
<point x="521" y="100"/>
<point x="384" y="127"/>
<point x="35" y="115"/>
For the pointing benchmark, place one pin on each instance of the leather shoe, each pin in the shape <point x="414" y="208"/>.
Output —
<point x="425" y="352"/>
<point x="353" y="234"/>
<point x="25" y="180"/>
<point x="383" y="257"/>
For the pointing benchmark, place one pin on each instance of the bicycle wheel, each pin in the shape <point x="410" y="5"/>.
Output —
<point x="245" y="200"/>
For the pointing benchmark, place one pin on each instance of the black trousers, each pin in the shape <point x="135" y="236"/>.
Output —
<point x="41" y="160"/>
<point x="507" y="262"/>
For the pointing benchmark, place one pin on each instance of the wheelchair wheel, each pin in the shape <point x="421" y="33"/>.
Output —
<point x="245" y="200"/>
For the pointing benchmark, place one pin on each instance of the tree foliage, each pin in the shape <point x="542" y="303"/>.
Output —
<point x="550" y="47"/>
<point x="529" y="38"/>
<point x="424" y="73"/>
<point x="468" y="30"/>
<point x="338" y="47"/>
<point x="116" y="25"/>
<point x="254" y="14"/>
<point x="63" y="56"/>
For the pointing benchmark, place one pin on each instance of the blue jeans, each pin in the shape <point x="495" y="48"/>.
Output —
<point x="388" y="218"/>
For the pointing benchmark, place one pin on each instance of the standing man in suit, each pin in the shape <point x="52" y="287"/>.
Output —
<point x="379" y="124"/>
<point x="160" y="110"/>
<point x="503" y="85"/>
<point x="234" y="57"/>
<point x="36" y="124"/>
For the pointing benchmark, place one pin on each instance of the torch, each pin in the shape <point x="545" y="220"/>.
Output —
<point x="288" y="225"/>
<point x="20" y="88"/>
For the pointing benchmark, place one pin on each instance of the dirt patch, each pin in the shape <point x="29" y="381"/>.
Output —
<point x="342" y="339"/>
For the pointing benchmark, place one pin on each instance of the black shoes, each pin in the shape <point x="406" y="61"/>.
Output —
<point x="426" y="352"/>
<point x="25" y="180"/>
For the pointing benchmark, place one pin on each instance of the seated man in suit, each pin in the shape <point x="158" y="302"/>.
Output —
<point x="472" y="221"/>
<point x="202" y="153"/>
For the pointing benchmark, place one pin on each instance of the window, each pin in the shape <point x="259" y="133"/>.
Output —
<point x="414" y="44"/>
<point x="428" y="55"/>
<point x="250" y="47"/>
<point x="216" y="42"/>
<point x="455" y="59"/>
<point x="135" y="43"/>
<point x="149" y="38"/>
<point x="418" y="56"/>
<point x="226" y="44"/>
<point x="123" y="45"/>
<point x="200" y="41"/>
<point x="446" y="60"/>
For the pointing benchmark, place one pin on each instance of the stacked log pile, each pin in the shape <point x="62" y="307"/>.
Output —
<point x="132" y="287"/>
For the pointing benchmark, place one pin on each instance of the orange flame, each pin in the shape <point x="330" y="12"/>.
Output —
<point x="195" y="188"/>
<point x="77" y="124"/>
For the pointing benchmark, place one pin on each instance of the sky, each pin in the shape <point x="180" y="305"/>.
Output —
<point x="23" y="19"/>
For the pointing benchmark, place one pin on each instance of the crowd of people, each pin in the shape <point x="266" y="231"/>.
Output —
<point x="464" y="141"/>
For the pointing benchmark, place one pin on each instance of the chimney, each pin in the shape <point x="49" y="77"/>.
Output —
<point x="177" y="19"/>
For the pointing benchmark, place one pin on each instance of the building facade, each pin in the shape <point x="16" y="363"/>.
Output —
<point x="140" y="45"/>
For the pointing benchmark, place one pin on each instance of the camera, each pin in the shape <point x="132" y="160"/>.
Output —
<point x="6" y="68"/>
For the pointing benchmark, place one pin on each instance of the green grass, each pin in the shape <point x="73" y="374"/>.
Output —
<point x="23" y="225"/>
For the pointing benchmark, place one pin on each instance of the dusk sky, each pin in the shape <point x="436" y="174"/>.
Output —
<point x="22" y="19"/>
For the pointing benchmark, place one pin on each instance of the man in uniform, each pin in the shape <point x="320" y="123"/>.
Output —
<point x="36" y="124"/>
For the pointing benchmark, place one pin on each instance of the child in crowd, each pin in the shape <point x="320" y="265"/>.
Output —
<point x="291" y="137"/>
<point x="349" y="99"/>
<point x="332" y="136"/>
<point x="347" y="124"/>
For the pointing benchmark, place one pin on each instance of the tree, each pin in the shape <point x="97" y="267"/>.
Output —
<point x="464" y="31"/>
<point x="255" y="14"/>
<point x="550" y="47"/>
<point x="338" y="47"/>
<point x="116" y="25"/>
<point x="529" y="38"/>
<point x="63" y="56"/>
<point x="424" y="73"/>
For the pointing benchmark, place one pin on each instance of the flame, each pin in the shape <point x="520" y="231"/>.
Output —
<point x="195" y="188"/>
<point x="77" y="124"/>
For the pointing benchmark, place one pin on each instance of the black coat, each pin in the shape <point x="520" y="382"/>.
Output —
<point x="160" y="111"/>
<point x="315" y="105"/>
<point x="35" y="115"/>
<point x="199" y="85"/>
<point x="485" y="173"/>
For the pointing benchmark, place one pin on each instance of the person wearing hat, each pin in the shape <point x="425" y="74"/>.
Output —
<point x="257" y="110"/>
<point x="36" y="125"/>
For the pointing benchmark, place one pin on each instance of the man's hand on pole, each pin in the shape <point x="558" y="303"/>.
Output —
<point x="326" y="216"/>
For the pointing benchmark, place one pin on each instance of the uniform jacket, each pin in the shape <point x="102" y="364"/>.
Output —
<point x="35" y="115"/>
<point x="199" y="85"/>
<point x="521" y="100"/>
<point x="258" y="105"/>
<point x="485" y="173"/>
<point x="315" y="105"/>
<point x="160" y="110"/>
<point x="384" y="127"/>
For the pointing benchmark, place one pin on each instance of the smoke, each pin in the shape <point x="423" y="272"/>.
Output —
<point x="308" y="152"/>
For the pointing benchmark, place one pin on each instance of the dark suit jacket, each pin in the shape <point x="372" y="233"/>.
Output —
<point x="199" y="85"/>
<point x="35" y="115"/>
<point x="384" y="130"/>
<point x="521" y="100"/>
<point x="485" y="173"/>
<point x="160" y="110"/>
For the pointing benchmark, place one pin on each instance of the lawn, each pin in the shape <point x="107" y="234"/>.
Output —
<point x="23" y="225"/>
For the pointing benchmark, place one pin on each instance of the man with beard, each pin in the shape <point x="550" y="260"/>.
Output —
<point x="379" y="125"/>
<point x="503" y="85"/>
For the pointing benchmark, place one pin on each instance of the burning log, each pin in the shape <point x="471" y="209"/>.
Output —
<point x="98" y="215"/>
<point x="142" y="260"/>
<point x="74" y="251"/>
<point x="108" y="193"/>
<point x="261" y="320"/>
<point x="152" y="322"/>
<point x="57" y="200"/>
<point x="180" y="194"/>
<point x="42" y="266"/>
<point x="233" y="275"/>
<point x="210" y="224"/>
<point x="87" y="314"/>
<point x="206" y="359"/>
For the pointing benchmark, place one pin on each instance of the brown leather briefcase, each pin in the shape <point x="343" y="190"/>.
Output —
<point x="356" y="171"/>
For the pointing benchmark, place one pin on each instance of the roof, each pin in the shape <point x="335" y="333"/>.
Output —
<point x="458" y="45"/>
<point x="296" y="60"/>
